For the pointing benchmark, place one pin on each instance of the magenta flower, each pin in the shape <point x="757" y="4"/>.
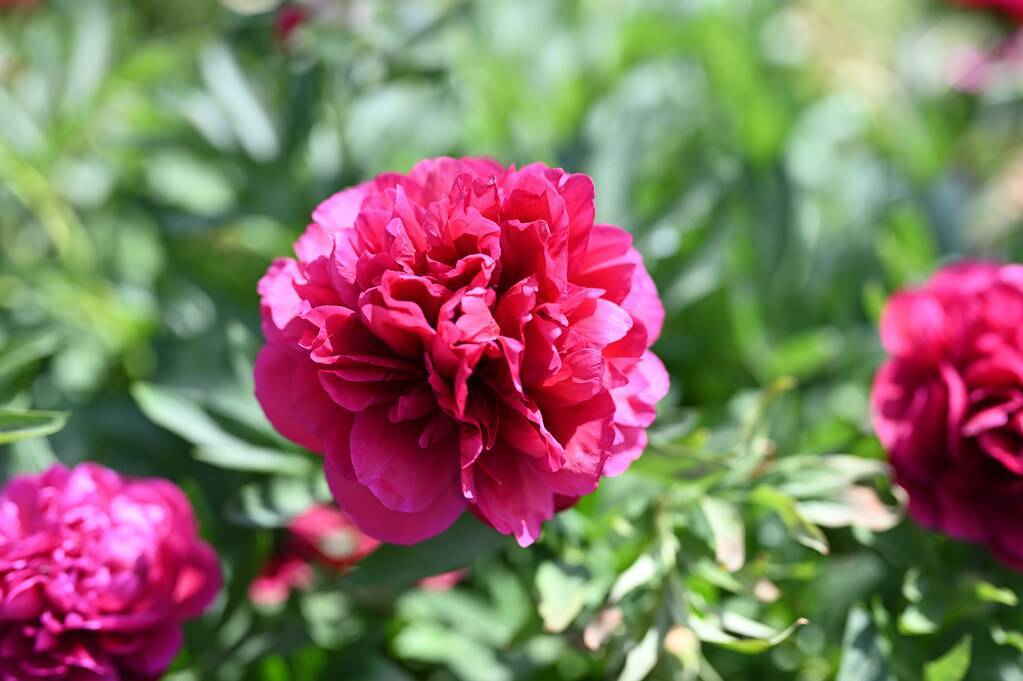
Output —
<point x="324" y="536"/>
<point x="1011" y="8"/>
<point x="463" y="336"/>
<point x="948" y="405"/>
<point x="97" y="573"/>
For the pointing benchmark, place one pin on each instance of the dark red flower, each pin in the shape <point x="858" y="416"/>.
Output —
<point x="288" y="19"/>
<point x="1011" y="8"/>
<point x="948" y="404"/>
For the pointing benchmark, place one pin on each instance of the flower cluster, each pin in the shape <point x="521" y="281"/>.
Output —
<point x="463" y="336"/>
<point x="948" y="404"/>
<point x="97" y="573"/>
<point x="322" y="537"/>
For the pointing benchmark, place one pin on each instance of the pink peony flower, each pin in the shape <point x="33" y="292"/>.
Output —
<point x="288" y="19"/>
<point x="97" y="573"/>
<point x="323" y="535"/>
<point x="948" y="404"/>
<point x="445" y="581"/>
<point x="463" y="336"/>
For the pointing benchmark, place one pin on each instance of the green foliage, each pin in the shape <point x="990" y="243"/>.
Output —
<point x="783" y="166"/>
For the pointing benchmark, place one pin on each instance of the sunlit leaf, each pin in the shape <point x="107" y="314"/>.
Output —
<point x="174" y="411"/>
<point x="18" y="424"/>
<point x="953" y="665"/>
<point x="562" y="595"/>
<point x="642" y="659"/>
<point x="862" y="656"/>
<point x="728" y="532"/>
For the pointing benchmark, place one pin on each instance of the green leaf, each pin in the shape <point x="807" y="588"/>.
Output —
<point x="24" y="349"/>
<point x="740" y="634"/>
<point x="990" y="593"/>
<point x="953" y="665"/>
<point x="642" y="659"/>
<point x="562" y="595"/>
<point x="467" y="658"/>
<point x="805" y="532"/>
<point x="238" y="455"/>
<point x="728" y="532"/>
<point x="19" y="424"/>
<point x="90" y="54"/>
<point x="641" y="572"/>
<point x="862" y="656"/>
<point x="396" y="565"/>
<point x="174" y="411"/>
<point x="235" y="95"/>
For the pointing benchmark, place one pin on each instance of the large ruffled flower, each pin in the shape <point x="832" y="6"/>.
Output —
<point x="463" y="336"/>
<point x="97" y="573"/>
<point x="948" y="405"/>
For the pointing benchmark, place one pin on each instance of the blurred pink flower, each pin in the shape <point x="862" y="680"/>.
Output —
<point x="97" y="574"/>
<point x="948" y="404"/>
<point x="463" y="336"/>
<point x="325" y="537"/>
<point x="288" y="18"/>
<point x="445" y="581"/>
<point x="975" y="69"/>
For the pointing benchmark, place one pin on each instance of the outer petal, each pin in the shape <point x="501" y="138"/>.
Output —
<point x="274" y="375"/>
<point x="340" y="210"/>
<point x="914" y="325"/>
<point x="643" y="303"/>
<point x="393" y="527"/>
<point x="198" y="582"/>
<point x="511" y="495"/>
<point x="387" y="458"/>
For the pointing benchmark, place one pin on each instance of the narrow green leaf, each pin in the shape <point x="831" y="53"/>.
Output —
<point x="175" y="412"/>
<point x="562" y="595"/>
<point x="862" y="656"/>
<point x="233" y="91"/>
<point x="804" y="532"/>
<point x="237" y="455"/>
<point x="740" y="634"/>
<point x="21" y="350"/>
<point x="392" y="565"/>
<point x="19" y="424"/>
<point x="642" y="659"/>
<point x="641" y="572"/>
<point x="467" y="658"/>
<point x="953" y="665"/>
<point x="728" y="532"/>
<point x="990" y="593"/>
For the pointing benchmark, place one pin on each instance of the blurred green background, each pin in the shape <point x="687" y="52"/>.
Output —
<point x="783" y="165"/>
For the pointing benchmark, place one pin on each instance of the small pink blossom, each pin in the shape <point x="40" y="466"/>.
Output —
<point x="289" y="18"/>
<point x="445" y="581"/>
<point x="462" y="337"/>
<point x="97" y="574"/>
<point x="324" y="536"/>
